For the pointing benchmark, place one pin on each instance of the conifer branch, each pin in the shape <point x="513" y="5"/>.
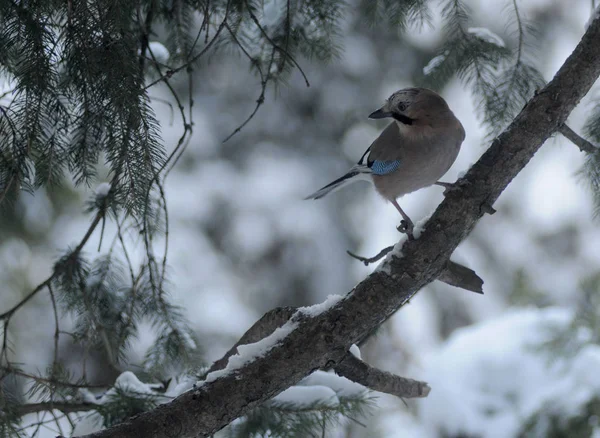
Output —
<point x="64" y="407"/>
<point x="323" y="339"/>
<point x="264" y="80"/>
<point x="274" y="44"/>
<point x="48" y="381"/>
<point x="195" y="58"/>
<point x="6" y="315"/>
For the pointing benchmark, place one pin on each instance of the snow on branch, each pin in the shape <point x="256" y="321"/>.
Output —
<point x="323" y="341"/>
<point x="486" y="35"/>
<point x="351" y="367"/>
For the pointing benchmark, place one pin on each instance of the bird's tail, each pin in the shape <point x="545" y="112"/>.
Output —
<point x="359" y="172"/>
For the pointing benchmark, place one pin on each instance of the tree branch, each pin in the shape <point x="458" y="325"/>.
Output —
<point x="350" y="367"/>
<point x="454" y="274"/>
<point x="64" y="407"/>
<point x="580" y="142"/>
<point x="6" y="315"/>
<point x="358" y="371"/>
<point x="322" y="340"/>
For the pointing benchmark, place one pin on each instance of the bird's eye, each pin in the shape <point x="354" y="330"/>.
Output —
<point x="401" y="106"/>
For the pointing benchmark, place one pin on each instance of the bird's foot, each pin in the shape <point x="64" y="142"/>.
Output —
<point x="406" y="227"/>
<point x="452" y="187"/>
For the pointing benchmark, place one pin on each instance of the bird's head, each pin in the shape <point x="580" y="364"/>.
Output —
<point x="414" y="106"/>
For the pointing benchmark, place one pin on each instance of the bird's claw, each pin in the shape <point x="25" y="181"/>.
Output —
<point x="406" y="227"/>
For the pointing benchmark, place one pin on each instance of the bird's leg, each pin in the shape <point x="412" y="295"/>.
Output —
<point x="406" y="226"/>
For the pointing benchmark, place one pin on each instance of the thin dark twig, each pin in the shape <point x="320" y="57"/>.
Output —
<point x="6" y="316"/>
<point x="39" y="287"/>
<point x="65" y="407"/>
<point x="166" y="249"/>
<point x="264" y="80"/>
<point x="274" y="44"/>
<point x="6" y="93"/>
<point x="56" y="326"/>
<point x="170" y="73"/>
<point x="204" y="23"/>
<point x="166" y="102"/>
<point x="56" y="421"/>
<point x="187" y="132"/>
<point x="580" y="142"/>
<point x="7" y="188"/>
<point x="102" y="233"/>
<point x="40" y="379"/>
<point x="373" y="259"/>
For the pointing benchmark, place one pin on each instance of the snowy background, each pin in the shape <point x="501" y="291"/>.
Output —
<point x="243" y="240"/>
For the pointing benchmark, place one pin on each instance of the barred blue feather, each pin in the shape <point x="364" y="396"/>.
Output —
<point x="384" y="167"/>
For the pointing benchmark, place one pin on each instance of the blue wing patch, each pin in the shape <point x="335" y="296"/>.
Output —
<point x="384" y="167"/>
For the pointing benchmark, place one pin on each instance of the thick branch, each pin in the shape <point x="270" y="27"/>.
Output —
<point x="259" y="330"/>
<point x="323" y="340"/>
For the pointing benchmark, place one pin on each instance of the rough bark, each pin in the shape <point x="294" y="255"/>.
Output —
<point x="350" y="367"/>
<point x="323" y="340"/>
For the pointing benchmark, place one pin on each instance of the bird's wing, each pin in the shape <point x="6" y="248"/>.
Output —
<point x="384" y="156"/>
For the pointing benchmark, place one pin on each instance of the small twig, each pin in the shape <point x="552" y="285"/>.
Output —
<point x="169" y="104"/>
<point x="56" y="326"/>
<point x="275" y="45"/>
<point x="39" y="287"/>
<point x="6" y="93"/>
<point x="263" y="82"/>
<point x="580" y="142"/>
<point x="6" y="316"/>
<point x="259" y="101"/>
<point x="455" y="274"/>
<point x="65" y="407"/>
<point x="75" y="252"/>
<point x="170" y="73"/>
<point x="39" y="379"/>
<point x="373" y="259"/>
<point x="460" y="276"/>
<point x="6" y="188"/>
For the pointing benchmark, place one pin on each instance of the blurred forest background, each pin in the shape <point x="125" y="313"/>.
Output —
<point x="514" y="362"/>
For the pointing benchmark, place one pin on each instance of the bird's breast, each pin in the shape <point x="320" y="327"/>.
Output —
<point x="420" y="166"/>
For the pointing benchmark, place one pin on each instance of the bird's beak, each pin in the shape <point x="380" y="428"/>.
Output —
<point x="380" y="114"/>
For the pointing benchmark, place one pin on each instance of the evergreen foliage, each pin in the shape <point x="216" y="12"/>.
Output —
<point x="502" y="79"/>
<point x="591" y="168"/>
<point x="584" y="328"/>
<point x="289" y="420"/>
<point x="121" y="405"/>
<point x="566" y="342"/>
<point x="550" y="423"/>
<point x="401" y="14"/>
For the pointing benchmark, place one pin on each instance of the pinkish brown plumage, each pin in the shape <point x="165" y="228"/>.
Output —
<point x="412" y="152"/>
